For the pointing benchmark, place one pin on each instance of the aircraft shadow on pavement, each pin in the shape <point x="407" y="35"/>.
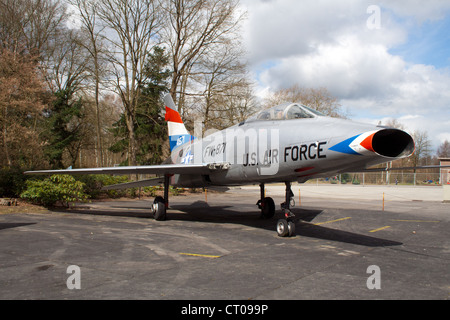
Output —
<point x="246" y="215"/>
<point x="314" y="231"/>
<point x="13" y="225"/>
<point x="224" y="214"/>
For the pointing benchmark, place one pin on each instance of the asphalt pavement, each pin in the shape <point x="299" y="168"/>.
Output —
<point x="215" y="246"/>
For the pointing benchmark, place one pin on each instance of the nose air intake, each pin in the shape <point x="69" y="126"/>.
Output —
<point x="392" y="143"/>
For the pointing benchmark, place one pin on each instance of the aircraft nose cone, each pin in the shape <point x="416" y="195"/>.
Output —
<point x="392" y="143"/>
<point x="389" y="143"/>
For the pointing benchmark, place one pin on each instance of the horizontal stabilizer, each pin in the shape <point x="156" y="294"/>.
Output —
<point x="135" y="184"/>
<point x="217" y="188"/>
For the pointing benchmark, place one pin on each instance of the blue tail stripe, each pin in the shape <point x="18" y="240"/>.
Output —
<point x="178" y="140"/>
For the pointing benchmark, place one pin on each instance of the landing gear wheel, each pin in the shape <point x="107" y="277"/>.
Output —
<point x="282" y="228"/>
<point x="291" y="228"/>
<point x="286" y="227"/>
<point x="267" y="207"/>
<point x="159" y="209"/>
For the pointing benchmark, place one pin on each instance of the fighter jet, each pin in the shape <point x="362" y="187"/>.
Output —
<point x="287" y="143"/>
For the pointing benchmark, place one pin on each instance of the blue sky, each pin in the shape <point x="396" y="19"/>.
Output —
<point x="400" y="70"/>
<point x="428" y="43"/>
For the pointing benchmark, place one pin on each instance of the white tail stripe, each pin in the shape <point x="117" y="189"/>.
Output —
<point x="176" y="128"/>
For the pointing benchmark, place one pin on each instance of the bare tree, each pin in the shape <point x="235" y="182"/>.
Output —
<point x="319" y="99"/>
<point x="194" y="26"/>
<point x="22" y="98"/>
<point x="422" y="147"/>
<point x="227" y="91"/>
<point x="68" y="64"/>
<point x="444" y="150"/>
<point x="394" y="123"/>
<point x="239" y="104"/>
<point x="12" y="21"/>
<point x="87" y="10"/>
<point x="131" y="28"/>
<point x="31" y="24"/>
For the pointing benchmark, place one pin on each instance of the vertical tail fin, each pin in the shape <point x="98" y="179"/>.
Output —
<point x="178" y="134"/>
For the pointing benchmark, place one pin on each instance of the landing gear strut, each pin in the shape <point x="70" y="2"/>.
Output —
<point x="266" y="204"/>
<point x="286" y="226"/>
<point x="161" y="204"/>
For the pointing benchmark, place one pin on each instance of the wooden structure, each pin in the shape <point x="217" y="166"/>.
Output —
<point x="445" y="172"/>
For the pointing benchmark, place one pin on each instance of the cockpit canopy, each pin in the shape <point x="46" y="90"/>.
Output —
<point x="286" y="111"/>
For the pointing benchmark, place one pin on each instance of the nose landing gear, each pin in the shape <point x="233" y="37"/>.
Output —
<point x="286" y="226"/>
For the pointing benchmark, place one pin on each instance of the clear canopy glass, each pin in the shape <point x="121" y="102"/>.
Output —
<point x="286" y="111"/>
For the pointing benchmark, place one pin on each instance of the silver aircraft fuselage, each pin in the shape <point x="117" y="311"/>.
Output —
<point x="286" y="143"/>
<point x="265" y="149"/>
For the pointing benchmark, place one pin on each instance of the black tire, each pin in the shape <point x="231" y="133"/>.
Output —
<point x="282" y="228"/>
<point x="267" y="208"/>
<point x="291" y="228"/>
<point x="159" y="209"/>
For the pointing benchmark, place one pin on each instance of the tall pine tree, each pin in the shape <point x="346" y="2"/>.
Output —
<point x="150" y="127"/>
<point x="63" y="127"/>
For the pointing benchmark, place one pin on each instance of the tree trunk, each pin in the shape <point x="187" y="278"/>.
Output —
<point x="5" y="135"/>
<point x="132" y="140"/>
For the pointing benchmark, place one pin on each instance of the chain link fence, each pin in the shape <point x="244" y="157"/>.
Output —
<point x="383" y="178"/>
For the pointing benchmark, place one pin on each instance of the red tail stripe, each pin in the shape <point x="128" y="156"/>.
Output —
<point x="172" y="115"/>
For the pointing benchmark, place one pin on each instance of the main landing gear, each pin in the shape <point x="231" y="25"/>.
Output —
<point x="286" y="226"/>
<point x="266" y="204"/>
<point x="161" y="204"/>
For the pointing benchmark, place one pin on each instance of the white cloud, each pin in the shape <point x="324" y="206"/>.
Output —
<point x="419" y="10"/>
<point x="285" y="28"/>
<point x="328" y="44"/>
<point x="348" y="69"/>
<point x="437" y="130"/>
<point x="443" y="136"/>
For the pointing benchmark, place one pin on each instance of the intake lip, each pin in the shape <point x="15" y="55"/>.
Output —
<point x="392" y="143"/>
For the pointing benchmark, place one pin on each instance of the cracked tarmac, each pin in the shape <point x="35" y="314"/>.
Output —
<point x="223" y="250"/>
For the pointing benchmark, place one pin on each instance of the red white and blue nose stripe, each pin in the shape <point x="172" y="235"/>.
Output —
<point x="357" y="145"/>
<point x="178" y="134"/>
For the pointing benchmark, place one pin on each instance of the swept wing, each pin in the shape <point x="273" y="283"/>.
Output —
<point x="163" y="169"/>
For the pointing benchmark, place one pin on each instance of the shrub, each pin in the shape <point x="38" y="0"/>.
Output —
<point x="95" y="183"/>
<point x="12" y="182"/>
<point x="57" y="188"/>
<point x="151" y="191"/>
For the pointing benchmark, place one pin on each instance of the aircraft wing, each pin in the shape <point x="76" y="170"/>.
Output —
<point x="399" y="168"/>
<point x="152" y="182"/>
<point x="204" y="168"/>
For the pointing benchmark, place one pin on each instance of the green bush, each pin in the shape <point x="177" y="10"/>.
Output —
<point x="12" y="182"/>
<point x="56" y="188"/>
<point x="151" y="191"/>
<point x="95" y="183"/>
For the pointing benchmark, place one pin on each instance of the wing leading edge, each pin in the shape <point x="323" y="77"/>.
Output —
<point x="163" y="169"/>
